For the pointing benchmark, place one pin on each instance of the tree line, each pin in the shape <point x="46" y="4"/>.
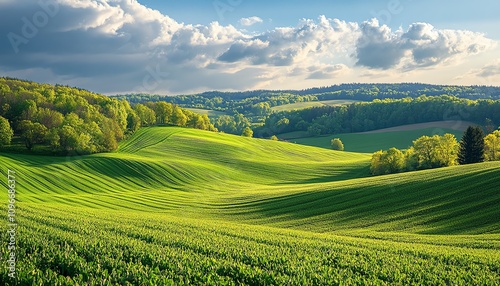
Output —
<point x="75" y="120"/>
<point x="379" y="114"/>
<point x="253" y="105"/>
<point x="256" y="106"/>
<point x="439" y="151"/>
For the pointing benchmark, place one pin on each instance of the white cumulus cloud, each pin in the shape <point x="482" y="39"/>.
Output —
<point x="113" y="46"/>
<point x="250" y="21"/>
<point x="421" y="45"/>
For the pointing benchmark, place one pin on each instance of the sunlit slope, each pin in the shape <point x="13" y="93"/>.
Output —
<point x="165" y="167"/>
<point x="83" y="246"/>
<point x="204" y="174"/>
<point x="270" y="161"/>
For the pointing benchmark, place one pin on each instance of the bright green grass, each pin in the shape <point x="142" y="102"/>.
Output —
<point x="209" y="112"/>
<point x="183" y="206"/>
<point x="372" y="142"/>
<point x="263" y="182"/>
<point x="309" y="104"/>
<point x="68" y="245"/>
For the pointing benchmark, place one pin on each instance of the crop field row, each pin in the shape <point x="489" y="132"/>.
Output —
<point x="66" y="246"/>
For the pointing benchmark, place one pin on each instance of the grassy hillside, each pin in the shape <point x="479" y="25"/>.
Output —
<point x="308" y="104"/>
<point x="166" y="162"/>
<point x="178" y="206"/>
<point x="209" y="112"/>
<point x="263" y="182"/>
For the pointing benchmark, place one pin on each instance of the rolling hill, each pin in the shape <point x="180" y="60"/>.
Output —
<point x="184" y="206"/>
<point x="262" y="181"/>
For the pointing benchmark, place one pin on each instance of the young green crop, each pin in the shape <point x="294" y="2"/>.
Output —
<point x="177" y="206"/>
<point x="79" y="245"/>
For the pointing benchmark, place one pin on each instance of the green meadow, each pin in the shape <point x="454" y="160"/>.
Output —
<point x="178" y="206"/>
<point x="309" y="104"/>
<point x="209" y="112"/>
<point x="372" y="142"/>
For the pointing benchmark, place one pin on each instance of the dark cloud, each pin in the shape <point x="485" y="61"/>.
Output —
<point x="378" y="47"/>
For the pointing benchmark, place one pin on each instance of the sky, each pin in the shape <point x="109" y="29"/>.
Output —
<point x="187" y="46"/>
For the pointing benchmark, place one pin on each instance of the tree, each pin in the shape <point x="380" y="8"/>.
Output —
<point x="426" y="152"/>
<point x="447" y="150"/>
<point x="178" y="117"/>
<point x="146" y="114"/>
<point x="247" y="132"/>
<point x="376" y="166"/>
<point x="387" y="162"/>
<point x="274" y="138"/>
<point x="133" y="121"/>
<point x="227" y="124"/>
<point x="84" y="144"/>
<point x="393" y="160"/>
<point x="436" y="151"/>
<point x="163" y="112"/>
<point x="411" y="161"/>
<point x="282" y="125"/>
<point x="6" y="132"/>
<point x="111" y="135"/>
<point x="68" y="138"/>
<point x="261" y="108"/>
<point x="471" y="146"/>
<point x="53" y="138"/>
<point x="492" y="146"/>
<point x="32" y="133"/>
<point x="49" y="118"/>
<point x="337" y="144"/>
<point x="198" y="122"/>
<point x="314" y="130"/>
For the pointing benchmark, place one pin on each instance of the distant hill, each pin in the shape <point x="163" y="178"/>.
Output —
<point x="258" y="105"/>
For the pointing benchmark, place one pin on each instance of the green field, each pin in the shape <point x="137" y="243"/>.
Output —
<point x="179" y="206"/>
<point x="308" y="104"/>
<point x="372" y="142"/>
<point x="209" y="112"/>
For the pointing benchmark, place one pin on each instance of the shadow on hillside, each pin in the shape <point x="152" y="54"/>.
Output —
<point x="464" y="203"/>
<point x="339" y="176"/>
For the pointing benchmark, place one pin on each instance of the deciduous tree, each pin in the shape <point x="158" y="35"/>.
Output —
<point x="247" y="132"/>
<point x="337" y="144"/>
<point x="68" y="138"/>
<point x="6" y="132"/>
<point x="163" y="112"/>
<point x="32" y="133"/>
<point x="146" y="114"/>
<point x="178" y="117"/>
<point x="492" y="146"/>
